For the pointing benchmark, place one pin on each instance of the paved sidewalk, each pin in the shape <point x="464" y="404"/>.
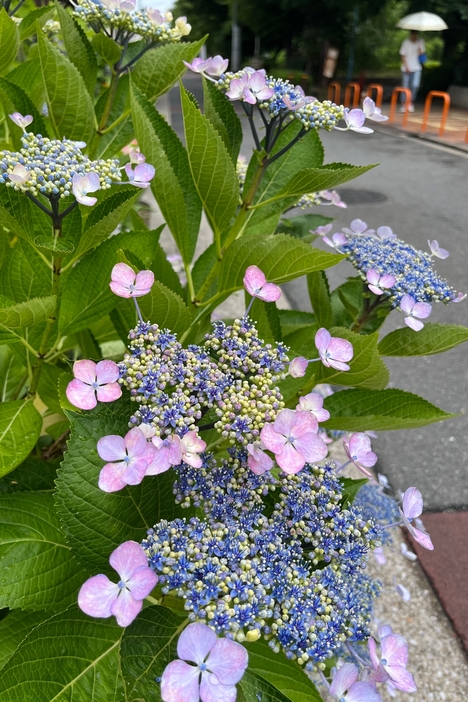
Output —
<point x="455" y="131"/>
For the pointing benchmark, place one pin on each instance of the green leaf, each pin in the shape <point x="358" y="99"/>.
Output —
<point x="257" y="689"/>
<point x="319" y="294"/>
<point x="24" y="274"/>
<point x="148" y="646"/>
<point x="13" y="375"/>
<point x="367" y="370"/>
<point x="107" y="48"/>
<point x="104" y="218"/>
<point x="172" y="185"/>
<point x="16" y="100"/>
<point x="433" y="338"/>
<point x="293" y="320"/>
<point x="38" y="567"/>
<point x="312" y="180"/>
<point x="266" y="317"/>
<point x="78" y="47"/>
<point x="9" y="41"/>
<point x="33" y="474"/>
<point x="69" y="657"/>
<point x="28" y="25"/>
<point x="28" y="77"/>
<point x="208" y="158"/>
<point x="14" y="628"/>
<point x="87" y="297"/>
<point x="280" y="257"/>
<point x="20" y="426"/>
<point x="27" y="314"/>
<point x="70" y="106"/>
<point x="48" y="385"/>
<point x="108" y="145"/>
<point x="360" y="410"/>
<point x="302" y="227"/>
<point x="16" y="213"/>
<point x="53" y="244"/>
<point x="351" y="488"/>
<point x="96" y="522"/>
<point x="301" y="341"/>
<point x="164" y="272"/>
<point x="223" y="117"/>
<point x="160" y="68"/>
<point x="285" y="675"/>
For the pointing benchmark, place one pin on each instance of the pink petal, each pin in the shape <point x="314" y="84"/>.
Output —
<point x="248" y="96"/>
<point x="340" y="349"/>
<point x="125" y="609"/>
<point x="298" y="367"/>
<point x="386" y="233"/>
<point x="111" y="448"/>
<point x="412" y="503"/>
<point x="85" y="370"/>
<point x="265" y="94"/>
<point x="110" y="477"/>
<point x="175" y="451"/>
<point x="120" y="290"/>
<point x="394" y="649"/>
<point x="228" y="661"/>
<point x="195" y="643"/>
<point x="123" y="274"/>
<point x="422" y="310"/>
<point x="413" y="323"/>
<point x="422" y="538"/>
<point x="337" y="365"/>
<point x="358" y="226"/>
<point x="344" y="678"/>
<point x="179" y="683"/>
<point x="373" y="653"/>
<point x="284" y="422"/>
<point x="142" y="582"/>
<point x="127" y="558"/>
<point x="270" y="292"/>
<point x="379" y="555"/>
<point x="97" y="595"/>
<point x="160" y="462"/>
<point x="290" y="460"/>
<point x="107" y="372"/>
<point x="373" y="276"/>
<point x="401" y="678"/>
<point x="387" y="280"/>
<point x="144" y="172"/>
<point x="254" y="279"/>
<point x="311" y="447"/>
<point x="272" y="440"/>
<point x="135" y="442"/>
<point x="81" y="395"/>
<point x="375" y="289"/>
<point x="257" y="81"/>
<point x="211" y="690"/>
<point x="143" y="283"/>
<point x="368" y="459"/>
<point x="363" y="692"/>
<point x="135" y="471"/>
<point x="407" y="303"/>
<point x="355" y="118"/>
<point x="109" y="392"/>
<point x="322" y="339"/>
<point x="359" y="445"/>
<point x="259" y="461"/>
<point x="304" y="423"/>
<point x="385" y="630"/>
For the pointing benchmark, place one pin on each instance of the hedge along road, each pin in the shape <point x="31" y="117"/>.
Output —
<point x="419" y="190"/>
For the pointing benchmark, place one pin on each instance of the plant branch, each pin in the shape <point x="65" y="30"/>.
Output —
<point x="108" y="106"/>
<point x="39" y="204"/>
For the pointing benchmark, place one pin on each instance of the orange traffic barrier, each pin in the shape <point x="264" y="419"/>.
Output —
<point x="466" y="136"/>
<point x="378" y="93"/>
<point x="334" y="92"/>
<point x="356" y="95"/>
<point x="427" y="108"/>
<point x="393" y="104"/>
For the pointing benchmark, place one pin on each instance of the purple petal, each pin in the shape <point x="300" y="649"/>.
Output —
<point x="195" y="643"/>
<point x="228" y="661"/>
<point x="142" y="582"/>
<point x="375" y="289"/>
<point x="179" y="683"/>
<point x="125" y="609"/>
<point x="407" y="303"/>
<point x="322" y="339"/>
<point x="272" y="440"/>
<point x="355" y="118"/>
<point x="127" y="558"/>
<point x="363" y="692"/>
<point x="358" y="226"/>
<point x="340" y="349"/>
<point x="135" y="471"/>
<point x="337" y="365"/>
<point x="373" y="276"/>
<point x="412" y="503"/>
<point x="344" y="678"/>
<point x="129" y="171"/>
<point x="97" y="595"/>
<point x="359" y="445"/>
<point x="373" y="653"/>
<point x="110" y="477"/>
<point x="211" y="690"/>
<point x="395" y="649"/>
<point x="270" y="292"/>
<point x="81" y="395"/>
<point x="387" y="280"/>
<point x="123" y="274"/>
<point x="254" y="280"/>
<point x="144" y="172"/>
<point x="298" y="367"/>
<point x="85" y="370"/>
<point x="257" y="81"/>
<point x="422" y="538"/>
<point x="422" y="310"/>
<point x="386" y="233"/>
<point x="135" y="442"/>
<point x="379" y="555"/>
<point x="109" y="392"/>
<point x="413" y="323"/>
<point x="401" y="678"/>
<point x="160" y="462"/>
<point x="111" y="448"/>
<point x="290" y="460"/>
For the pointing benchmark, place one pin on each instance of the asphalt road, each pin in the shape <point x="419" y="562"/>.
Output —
<point x="420" y="191"/>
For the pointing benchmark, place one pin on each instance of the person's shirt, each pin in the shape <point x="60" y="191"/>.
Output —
<point x="411" y="50"/>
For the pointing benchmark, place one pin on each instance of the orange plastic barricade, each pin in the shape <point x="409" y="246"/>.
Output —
<point x="378" y="93"/>
<point x="334" y="92"/>
<point x="356" y="95"/>
<point x="466" y="136"/>
<point x="393" y="104"/>
<point x="427" y="108"/>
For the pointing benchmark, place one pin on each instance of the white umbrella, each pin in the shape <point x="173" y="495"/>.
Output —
<point x="422" y="22"/>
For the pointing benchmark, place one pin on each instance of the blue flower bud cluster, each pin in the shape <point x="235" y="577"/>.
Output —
<point x="412" y="269"/>
<point x="295" y="578"/>
<point x="233" y="372"/>
<point x="130" y="23"/>
<point x="374" y="505"/>
<point x="51" y="165"/>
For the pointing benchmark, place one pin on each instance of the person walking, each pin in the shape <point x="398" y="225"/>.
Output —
<point x="411" y="51"/>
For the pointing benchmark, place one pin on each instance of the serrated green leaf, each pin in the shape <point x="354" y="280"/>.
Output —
<point x="24" y="274"/>
<point x="107" y="48"/>
<point x="312" y="180"/>
<point x="160" y="68"/>
<point x="14" y="628"/>
<point x="27" y="314"/>
<point x="13" y="376"/>
<point x="9" y="41"/>
<point x="16" y="100"/>
<point x="223" y="117"/>
<point x="367" y="369"/>
<point x="96" y="522"/>
<point x="319" y="295"/>
<point x="301" y="341"/>
<point x="285" y="675"/>
<point x="38" y="568"/>
<point x="78" y="47"/>
<point x="48" y="386"/>
<point x="148" y="646"/>
<point x="53" y="244"/>
<point x="34" y="474"/>
<point x="86" y="296"/>
<point x="302" y="227"/>
<point x="28" y="77"/>
<point x="267" y="321"/>
<point x="351" y="488"/>
<point x="257" y="689"/>
<point x="105" y="217"/>
<point x="70" y="105"/>
<point x="108" y="145"/>
<point x="164" y="272"/>
<point x="360" y="410"/>
<point x="293" y="320"/>
<point x="433" y="338"/>
<point x="172" y="186"/>
<point x="279" y="256"/>
<point x="16" y="213"/>
<point x="20" y="426"/>
<point x="68" y="657"/>
<point x="28" y="25"/>
<point x="208" y="158"/>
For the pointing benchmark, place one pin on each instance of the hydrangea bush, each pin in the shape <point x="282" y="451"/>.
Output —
<point x="173" y="526"/>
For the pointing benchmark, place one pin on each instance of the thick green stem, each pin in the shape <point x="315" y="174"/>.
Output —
<point x="367" y="312"/>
